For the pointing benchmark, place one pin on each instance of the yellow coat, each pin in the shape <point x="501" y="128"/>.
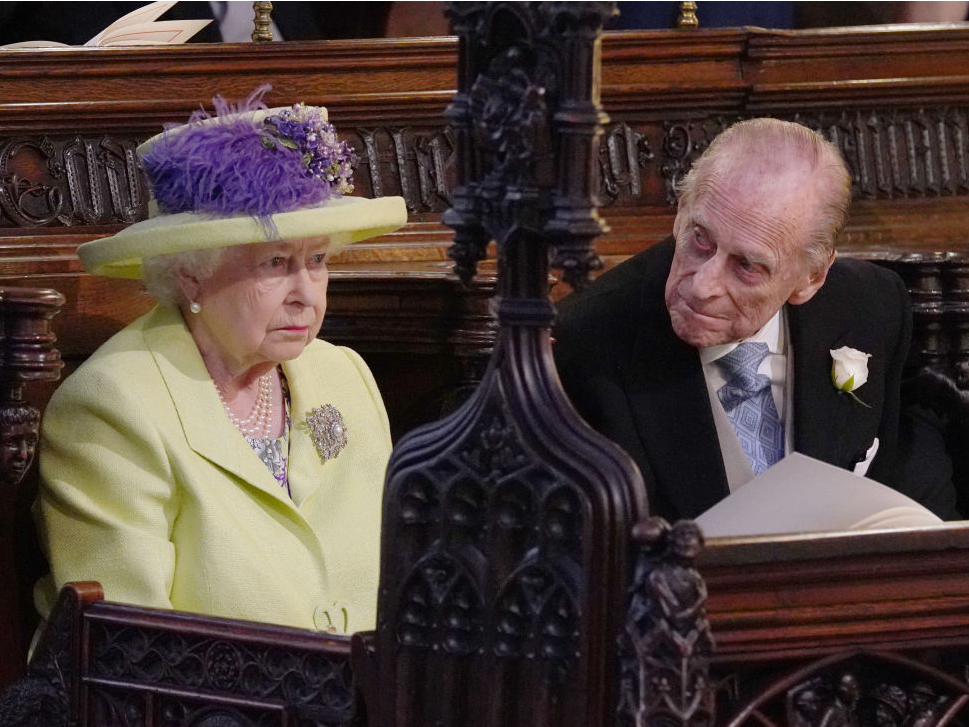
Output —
<point x="148" y="488"/>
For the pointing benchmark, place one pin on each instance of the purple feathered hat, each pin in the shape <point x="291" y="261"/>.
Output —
<point x="246" y="174"/>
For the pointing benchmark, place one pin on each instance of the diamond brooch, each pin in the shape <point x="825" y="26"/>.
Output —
<point x="328" y="430"/>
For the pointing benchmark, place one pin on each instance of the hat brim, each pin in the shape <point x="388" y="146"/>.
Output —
<point x="343" y="220"/>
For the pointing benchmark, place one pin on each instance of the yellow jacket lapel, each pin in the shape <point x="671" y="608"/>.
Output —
<point x="207" y="431"/>
<point x="303" y="457"/>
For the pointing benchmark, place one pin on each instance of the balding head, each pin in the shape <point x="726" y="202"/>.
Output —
<point x="776" y="156"/>
<point x="757" y="221"/>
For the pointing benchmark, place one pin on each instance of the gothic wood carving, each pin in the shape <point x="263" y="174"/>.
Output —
<point x="70" y="181"/>
<point x="48" y="694"/>
<point x="902" y="152"/>
<point x="505" y="549"/>
<point x="893" y="153"/>
<point x="114" y="665"/>
<point x="415" y="164"/>
<point x="665" y="650"/>
<point x="623" y="157"/>
<point x="857" y="689"/>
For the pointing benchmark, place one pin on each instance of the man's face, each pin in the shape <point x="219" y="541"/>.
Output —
<point x="739" y="256"/>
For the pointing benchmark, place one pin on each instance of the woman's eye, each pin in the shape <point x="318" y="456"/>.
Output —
<point x="276" y="262"/>
<point x="318" y="259"/>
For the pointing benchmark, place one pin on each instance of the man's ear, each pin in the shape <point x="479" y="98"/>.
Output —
<point x="189" y="284"/>
<point x="812" y="284"/>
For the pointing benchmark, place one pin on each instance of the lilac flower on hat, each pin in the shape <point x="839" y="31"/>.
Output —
<point x="241" y="162"/>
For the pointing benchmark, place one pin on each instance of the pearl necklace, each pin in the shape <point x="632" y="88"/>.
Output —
<point x="260" y="420"/>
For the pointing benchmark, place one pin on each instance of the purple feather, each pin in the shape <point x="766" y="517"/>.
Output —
<point x="234" y="165"/>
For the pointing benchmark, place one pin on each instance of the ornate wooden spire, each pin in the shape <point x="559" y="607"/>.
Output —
<point x="506" y="549"/>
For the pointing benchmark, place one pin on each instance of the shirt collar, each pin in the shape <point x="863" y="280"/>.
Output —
<point x="769" y="334"/>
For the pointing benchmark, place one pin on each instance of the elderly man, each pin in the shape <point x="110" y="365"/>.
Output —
<point x="708" y="356"/>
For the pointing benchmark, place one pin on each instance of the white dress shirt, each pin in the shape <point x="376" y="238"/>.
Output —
<point x="776" y="365"/>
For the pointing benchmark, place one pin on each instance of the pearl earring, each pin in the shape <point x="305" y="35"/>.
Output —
<point x="195" y="307"/>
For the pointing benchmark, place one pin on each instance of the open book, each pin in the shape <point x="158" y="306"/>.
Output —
<point x="801" y="494"/>
<point x="139" y="27"/>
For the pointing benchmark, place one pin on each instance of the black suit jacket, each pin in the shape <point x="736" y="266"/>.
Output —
<point x="632" y="379"/>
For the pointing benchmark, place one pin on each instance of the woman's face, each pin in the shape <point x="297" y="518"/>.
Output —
<point x="264" y="303"/>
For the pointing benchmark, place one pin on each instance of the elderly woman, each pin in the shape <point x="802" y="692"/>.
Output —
<point x="215" y="456"/>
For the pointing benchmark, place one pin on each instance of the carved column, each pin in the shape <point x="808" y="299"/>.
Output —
<point x="506" y="550"/>
<point x="27" y="353"/>
<point x="923" y="277"/>
<point x="667" y="643"/>
<point x="938" y="284"/>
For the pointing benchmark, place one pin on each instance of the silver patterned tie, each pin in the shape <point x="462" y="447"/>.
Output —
<point x="747" y="399"/>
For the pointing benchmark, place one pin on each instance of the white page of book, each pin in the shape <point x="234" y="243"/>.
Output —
<point x="800" y="494"/>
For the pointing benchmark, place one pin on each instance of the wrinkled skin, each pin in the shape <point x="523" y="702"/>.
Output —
<point x="263" y="305"/>
<point x="739" y="253"/>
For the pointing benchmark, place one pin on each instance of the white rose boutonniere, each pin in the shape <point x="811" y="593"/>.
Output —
<point x="849" y="370"/>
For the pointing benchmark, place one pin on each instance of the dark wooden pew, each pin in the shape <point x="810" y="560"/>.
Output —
<point x="102" y="663"/>
<point x="894" y="100"/>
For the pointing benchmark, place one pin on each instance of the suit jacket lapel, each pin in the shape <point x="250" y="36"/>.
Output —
<point x="195" y="400"/>
<point x="668" y="398"/>
<point x="305" y="385"/>
<point x="821" y="414"/>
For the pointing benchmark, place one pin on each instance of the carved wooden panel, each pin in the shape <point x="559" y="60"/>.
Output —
<point x="793" y="616"/>
<point x="112" y="665"/>
<point x="862" y="688"/>
<point x="504" y="546"/>
<point x="70" y="181"/>
<point x="416" y="164"/>
<point x="162" y="670"/>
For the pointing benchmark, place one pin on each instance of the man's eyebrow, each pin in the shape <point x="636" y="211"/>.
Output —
<point x="766" y="261"/>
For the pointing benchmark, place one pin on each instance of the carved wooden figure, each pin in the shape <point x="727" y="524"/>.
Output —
<point x="667" y="643"/>
<point x="506" y="548"/>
